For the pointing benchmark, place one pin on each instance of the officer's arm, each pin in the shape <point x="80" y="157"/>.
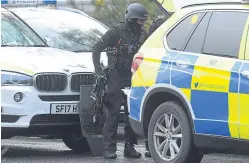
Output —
<point x="109" y="39"/>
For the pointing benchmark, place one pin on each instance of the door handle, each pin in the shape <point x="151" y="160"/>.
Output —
<point x="183" y="63"/>
<point x="245" y="73"/>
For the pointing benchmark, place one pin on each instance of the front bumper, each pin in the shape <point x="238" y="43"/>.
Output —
<point x="34" y="109"/>
<point x="32" y="115"/>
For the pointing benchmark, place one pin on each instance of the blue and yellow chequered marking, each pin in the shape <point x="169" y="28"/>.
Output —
<point x="233" y="101"/>
<point x="218" y="83"/>
<point x="210" y="93"/>
<point x="182" y="77"/>
<point x="244" y="97"/>
<point x="243" y="103"/>
<point x="212" y="90"/>
<point x="144" y="77"/>
<point x="163" y="74"/>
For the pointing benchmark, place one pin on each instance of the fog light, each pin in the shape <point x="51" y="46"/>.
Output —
<point x="18" y="97"/>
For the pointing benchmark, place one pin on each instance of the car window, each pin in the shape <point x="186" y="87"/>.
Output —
<point x="65" y="30"/>
<point x="195" y="43"/>
<point x="178" y="36"/>
<point x="224" y="33"/>
<point x="16" y="33"/>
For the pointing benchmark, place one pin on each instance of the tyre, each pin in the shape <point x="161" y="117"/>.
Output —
<point x="170" y="136"/>
<point x="76" y="143"/>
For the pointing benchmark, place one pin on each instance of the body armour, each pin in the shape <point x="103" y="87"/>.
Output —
<point x="122" y="55"/>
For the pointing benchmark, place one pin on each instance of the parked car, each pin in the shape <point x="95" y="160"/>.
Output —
<point x="190" y="83"/>
<point x="39" y="85"/>
<point x="67" y="29"/>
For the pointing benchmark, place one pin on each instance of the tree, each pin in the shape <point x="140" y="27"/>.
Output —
<point x="112" y="13"/>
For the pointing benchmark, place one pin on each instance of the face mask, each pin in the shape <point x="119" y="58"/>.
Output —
<point x="135" y="25"/>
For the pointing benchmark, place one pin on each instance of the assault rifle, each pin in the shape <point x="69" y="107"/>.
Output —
<point x="99" y="92"/>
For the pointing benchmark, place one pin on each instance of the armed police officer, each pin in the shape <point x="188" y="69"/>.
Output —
<point x="121" y="42"/>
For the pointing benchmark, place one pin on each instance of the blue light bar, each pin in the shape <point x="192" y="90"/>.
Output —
<point x="28" y="2"/>
<point x="4" y="2"/>
<point x="52" y="2"/>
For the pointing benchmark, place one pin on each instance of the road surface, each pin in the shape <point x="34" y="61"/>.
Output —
<point x="37" y="150"/>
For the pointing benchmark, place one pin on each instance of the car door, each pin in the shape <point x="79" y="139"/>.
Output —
<point x="244" y="97"/>
<point x="215" y="79"/>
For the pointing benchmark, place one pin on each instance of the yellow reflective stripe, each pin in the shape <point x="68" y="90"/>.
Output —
<point x="243" y="43"/>
<point x="187" y="93"/>
<point x="10" y="67"/>
<point x="233" y="114"/>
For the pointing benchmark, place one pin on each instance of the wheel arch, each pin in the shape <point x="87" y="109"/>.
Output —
<point x="160" y="93"/>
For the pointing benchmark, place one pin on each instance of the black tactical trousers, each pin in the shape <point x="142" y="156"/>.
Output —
<point x="113" y="103"/>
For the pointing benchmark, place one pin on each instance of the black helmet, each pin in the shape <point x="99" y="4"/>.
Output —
<point x="136" y="11"/>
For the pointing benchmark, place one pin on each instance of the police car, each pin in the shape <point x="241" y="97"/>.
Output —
<point x="39" y="85"/>
<point x="68" y="29"/>
<point x="190" y="85"/>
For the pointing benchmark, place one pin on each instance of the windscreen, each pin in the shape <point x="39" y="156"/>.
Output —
<point x="16" y="33"/>
<point x="65" y="30"/>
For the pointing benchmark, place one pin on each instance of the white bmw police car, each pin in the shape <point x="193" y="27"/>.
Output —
<point x="39" y="85"/>
<point x="64" y="28"/>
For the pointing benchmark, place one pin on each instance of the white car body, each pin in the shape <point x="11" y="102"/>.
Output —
<point x="48" y="105"/>
<point x="31" y="61"/>
<point x="63" y="20"/>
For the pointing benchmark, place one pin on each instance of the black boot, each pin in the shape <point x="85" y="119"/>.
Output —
<point x="147" y="154"/>
<point x="109" y="155"/>
<point x="130" y="152"/>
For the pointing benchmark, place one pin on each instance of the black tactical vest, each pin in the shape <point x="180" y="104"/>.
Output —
<point x="126" y="49"/>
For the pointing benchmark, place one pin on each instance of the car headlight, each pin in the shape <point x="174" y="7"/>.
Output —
<point x="11" y="78"/>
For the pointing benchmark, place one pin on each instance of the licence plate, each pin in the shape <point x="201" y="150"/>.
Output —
<point x="64" y="108"/>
